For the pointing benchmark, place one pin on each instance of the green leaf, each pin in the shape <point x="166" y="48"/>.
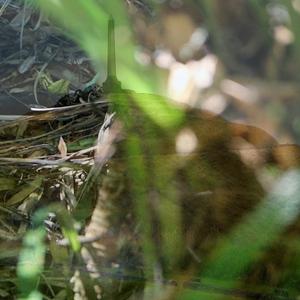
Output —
<point x="244" y="244"/>
<point x="31" y="263"/>
<point x="60" y="87"/>
<point x="68" y="227"/>
<point x="25" y="191"/>
<point x="7" y="184"/>
<point x="259" y="229"/>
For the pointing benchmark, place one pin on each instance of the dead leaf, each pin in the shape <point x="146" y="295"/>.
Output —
<point x="62" y="147"/>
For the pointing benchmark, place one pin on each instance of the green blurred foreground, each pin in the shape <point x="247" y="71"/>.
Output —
<point x="150" y="219"/>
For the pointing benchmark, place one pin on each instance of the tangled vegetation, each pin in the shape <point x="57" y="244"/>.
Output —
<point x="111" y="191"/>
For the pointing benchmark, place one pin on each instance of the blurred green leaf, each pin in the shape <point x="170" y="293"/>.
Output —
<point x="67" y="224"/>
<point x="157" y="108"/>
<point x="35" y="295"/>
<point x="31" y="263"/>
<point x="60" y="87"/>
<point x="32" y="255"/>
<point x="91" y="34"/>
<point x="25" y="191"/>
<point x="138" y="174"/>
<point x="82" y="144"/>
<point x="7" y="183"/>
<point x="258" y="230"/>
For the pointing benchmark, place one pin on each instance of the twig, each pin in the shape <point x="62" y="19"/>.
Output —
<point x="3" y="7"/>
<point x="23" y="25"/>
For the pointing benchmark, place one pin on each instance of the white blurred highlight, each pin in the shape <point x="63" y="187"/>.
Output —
<point x="215" y="103"/>
<point x="283" y="35"/>
<point x="185" y="80"/>
<point x="164" y="59"/>
<point x="195" y="43"/>
<point x="238" y="91"/>
<point x="204" y="71"/>
<point x="186" y="142"/>
<point x="179" y="83"/>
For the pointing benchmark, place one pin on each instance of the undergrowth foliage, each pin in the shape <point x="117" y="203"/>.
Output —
<point x="129" y="196"/>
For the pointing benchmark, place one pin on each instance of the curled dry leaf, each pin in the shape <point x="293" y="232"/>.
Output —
<point x="62" y="147"/>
